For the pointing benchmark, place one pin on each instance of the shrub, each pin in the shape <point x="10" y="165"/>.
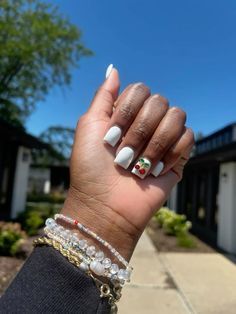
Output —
<point x="163" y="214"/>
<point x="32" y="223"/>
<point x="11" y="238"/>
<point x="32" y="219"/>
<point x="176" y="225"/>
<point x="185" y="240"/>
<point x="54" y="198"/>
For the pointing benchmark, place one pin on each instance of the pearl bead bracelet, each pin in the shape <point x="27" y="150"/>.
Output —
<point x="96" y="261"/>
<point x="82" y="228"/>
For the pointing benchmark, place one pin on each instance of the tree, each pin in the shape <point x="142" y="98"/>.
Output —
<point x="60" y="140"/>
<point x="199" y="135"/>
<point x="38" y="48"/>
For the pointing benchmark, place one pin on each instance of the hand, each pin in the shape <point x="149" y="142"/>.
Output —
<point x="107" y="198"/>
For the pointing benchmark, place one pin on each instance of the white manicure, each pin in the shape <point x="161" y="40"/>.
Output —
<point x="158" y="169"/>
<point x="124" y="157"/>
<point x="113" y="135"/>
<point x="109" y="69"/>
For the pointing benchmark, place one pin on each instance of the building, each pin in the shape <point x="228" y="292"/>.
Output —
<point x="15" y="158"/>
<point x="207" y="193"/>
<point x="49" y="179"/>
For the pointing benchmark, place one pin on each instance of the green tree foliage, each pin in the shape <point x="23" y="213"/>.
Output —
<point x="60" y="139"/>
<point x="38" y="48"/>
<point x="199" y="136"/>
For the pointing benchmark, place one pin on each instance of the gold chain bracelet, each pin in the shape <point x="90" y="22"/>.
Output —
<point x="106" y="291"/>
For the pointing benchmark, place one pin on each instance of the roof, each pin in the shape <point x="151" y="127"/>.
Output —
<point x="216" y="140"/>
<point x="19" y="136"/>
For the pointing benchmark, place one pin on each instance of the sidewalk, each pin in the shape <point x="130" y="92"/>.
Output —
<point x="179" y="283"/>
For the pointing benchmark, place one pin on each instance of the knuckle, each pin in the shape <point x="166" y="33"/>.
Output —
<point x="157" y="146"/>
<point x="174" y="154"/>
<point x="178" y="112"/>
<point x="140" y="87"/>
<point x="161" y="100"/>
<point x="140" y="131"/>
<point x="127" y="112"/>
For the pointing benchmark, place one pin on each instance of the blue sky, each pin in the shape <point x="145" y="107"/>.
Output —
<point x="184" y="50"/>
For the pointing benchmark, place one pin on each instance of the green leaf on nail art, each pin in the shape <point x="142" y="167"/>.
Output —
<point x="146" y="165"/>
<point x="142" y="160"/>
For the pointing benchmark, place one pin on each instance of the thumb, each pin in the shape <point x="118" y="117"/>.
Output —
<point x="106" y="95"/>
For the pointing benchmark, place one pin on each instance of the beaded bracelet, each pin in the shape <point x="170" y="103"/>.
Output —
<point x="113" y="293"/>
<point x="95" y="236"/>
<point x="96" y="261"/>
<point x="92" y="259"/>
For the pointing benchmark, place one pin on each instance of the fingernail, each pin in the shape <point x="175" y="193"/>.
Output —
<point x="157" y="169"/>
<point x="113" y="135"/>
<point x="109" y="69"/>
<point x="124" y="157"/>
<point x="141" y="167"/>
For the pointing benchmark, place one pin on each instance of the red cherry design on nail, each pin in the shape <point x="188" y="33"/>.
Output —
<point x="137" y="167"/>
<point x="142" y="171"/>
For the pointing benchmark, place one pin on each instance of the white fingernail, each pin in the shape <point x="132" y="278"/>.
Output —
<point x="124" y="157"/>
<point x="157" y="169"/>
<point x="109" y="69"/>
<point x="141" y="167"/>
<point x="113" y="135"/>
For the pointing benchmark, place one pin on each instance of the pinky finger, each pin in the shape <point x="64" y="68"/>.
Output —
<point x="180" y="152"/>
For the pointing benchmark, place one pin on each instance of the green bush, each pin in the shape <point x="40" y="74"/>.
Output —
<point x="31" y="222"/>
<point x="33" y="218"/>
<point x="171" y="222"/>
<point x="185" y="240"/>
<point x="54" y="198"/>
<point x="163" y="214"/>
<point x="11" y="238"/>
<point x="176" y="225"/>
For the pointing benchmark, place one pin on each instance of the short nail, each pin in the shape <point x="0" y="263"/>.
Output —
<point x="113" y="135"/>
<point x="141" y="167"/>
<point x="109" y="69"/>
<point x="124" y="157"/>
<point x="157" y="169"/>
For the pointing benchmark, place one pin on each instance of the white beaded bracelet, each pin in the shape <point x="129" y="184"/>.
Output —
<point x="95" y="236"/>
<point x="93" y="260"/>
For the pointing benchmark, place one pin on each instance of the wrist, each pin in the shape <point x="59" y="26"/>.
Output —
<point x="102" y="220"/>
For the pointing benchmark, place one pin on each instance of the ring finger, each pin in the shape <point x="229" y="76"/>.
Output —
<point x="145" y="123"/>
<point x="167" y="134"/>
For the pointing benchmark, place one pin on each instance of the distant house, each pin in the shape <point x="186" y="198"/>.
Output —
<point x="207" y="193"/>
<point x="48" y="179"/>
<point x="15" y="158"/>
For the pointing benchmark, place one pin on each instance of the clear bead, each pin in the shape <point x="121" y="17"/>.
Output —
<point x="60" y="229"/>
<point x="121" y="274"/>
<point x="65" y="235"/>
<point x="99" y="256"/>
<point x="90" y="251"/>
<point x="83" y="244"/>
<point x="127" y="274"/>
<point x="114" y="269"/>
<point x="74" y="238"/>
<point x="97" y="268"/>
<point x="106" y="262"/>
<point x="50" y="222"/>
